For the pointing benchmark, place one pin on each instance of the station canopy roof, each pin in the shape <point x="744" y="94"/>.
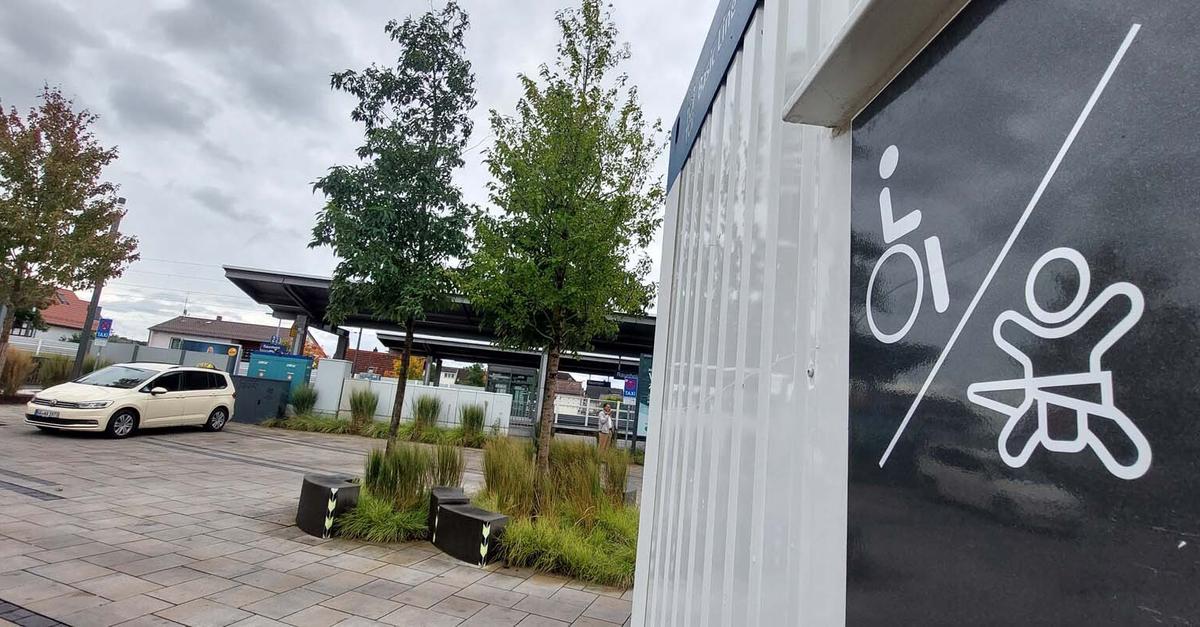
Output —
<point x="290" y="295"/>
<point x="482" y="352"/>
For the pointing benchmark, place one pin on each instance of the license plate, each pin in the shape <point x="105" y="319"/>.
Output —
<point x="45" y="413"/>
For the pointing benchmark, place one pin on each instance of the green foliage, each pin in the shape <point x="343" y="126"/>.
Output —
<point x="397" y="218"/>
<point x="508" y="475"/>
<point x="474" y="375"/>
<point x="448" y="465"/>
<point x="54" y="370"/>
<point x="17" y="370"/>
<point x="472" y="418"/>
<point x="400" y="476"/>
<point x="92" y="363"/>
<point x="376" y="520"/>
<point x="571" y="179"/>
<point x="616" y="474"/>
<point x="304" y="398"/>
<point x="374" y="429"/>
<point x="426" y="411"/>
<point x="57" y="211"/>
<point x="602" y="553"/>
<point x="363" y="404"/>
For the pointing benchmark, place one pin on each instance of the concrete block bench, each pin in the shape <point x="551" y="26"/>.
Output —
<point x="322" y="499"/>
<point x="467" y="532"/>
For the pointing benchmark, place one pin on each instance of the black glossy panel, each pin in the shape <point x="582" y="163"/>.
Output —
<point x="1051" y="472"/>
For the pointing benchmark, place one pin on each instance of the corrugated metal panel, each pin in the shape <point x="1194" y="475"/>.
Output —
<point x="743" y="517"/>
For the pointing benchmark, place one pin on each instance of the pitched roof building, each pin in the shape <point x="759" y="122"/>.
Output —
<point x="67" y="310"/>
<point x="173" y="332"/>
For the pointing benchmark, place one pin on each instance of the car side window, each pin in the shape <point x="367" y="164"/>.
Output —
<point x="172" y="382"/>
<point x="196" y="381"/>
<point x="218" y="381"/>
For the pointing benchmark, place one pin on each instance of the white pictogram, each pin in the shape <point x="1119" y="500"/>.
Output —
<point x="1039" y="392"/>
<point x="1008" y="243"/>
<point x="893" y="230"/>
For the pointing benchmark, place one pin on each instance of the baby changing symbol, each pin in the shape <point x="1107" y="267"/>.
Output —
<point x="1065" y="392"/>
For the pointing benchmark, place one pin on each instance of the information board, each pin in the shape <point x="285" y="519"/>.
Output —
<point x="1025" y="323"/>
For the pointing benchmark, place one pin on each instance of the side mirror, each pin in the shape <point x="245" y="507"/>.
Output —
<point x="158" y="390"/>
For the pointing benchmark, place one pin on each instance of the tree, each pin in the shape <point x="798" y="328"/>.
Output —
<point x="572" y="188"/>
<point x="473" y="375"/>
<point x="57" y="211"/>
<point x="396" y="220"/>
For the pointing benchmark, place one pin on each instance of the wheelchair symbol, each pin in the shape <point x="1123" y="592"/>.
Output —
<point x="893" y="230"/>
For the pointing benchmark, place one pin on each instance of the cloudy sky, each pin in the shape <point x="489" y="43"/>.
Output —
<point x="222" y="113"/>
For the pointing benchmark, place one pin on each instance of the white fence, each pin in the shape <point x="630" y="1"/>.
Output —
<point x="334" y="389"/>
<point x="42" y="346"/>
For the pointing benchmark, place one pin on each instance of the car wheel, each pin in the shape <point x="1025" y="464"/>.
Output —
<point x="122" y="424"/>
<point x="217" y="420"/>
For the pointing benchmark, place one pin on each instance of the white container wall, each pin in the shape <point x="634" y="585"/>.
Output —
<point x="744" y="501"/>
<point x="498" y="407"/>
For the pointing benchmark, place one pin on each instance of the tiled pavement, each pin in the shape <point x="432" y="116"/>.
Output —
<point x="194" y="528"/>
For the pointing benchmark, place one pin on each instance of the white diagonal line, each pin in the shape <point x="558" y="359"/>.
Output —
<point x="1037" y="196"/>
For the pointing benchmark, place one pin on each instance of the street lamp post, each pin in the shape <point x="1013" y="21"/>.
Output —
<point x="85" y="336"/>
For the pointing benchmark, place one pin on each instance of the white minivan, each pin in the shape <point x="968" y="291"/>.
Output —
<point x="123" y="398"/>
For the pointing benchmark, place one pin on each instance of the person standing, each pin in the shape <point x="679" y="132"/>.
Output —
<point x="606" y="427"/>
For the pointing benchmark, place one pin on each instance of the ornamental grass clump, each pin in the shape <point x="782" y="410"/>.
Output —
<point x="426" y="410"/>
<point x="304" y="398"/>
<point x="508" y="475"/>
<point x="400" y="477"/>
<point x="17" y="370"/>
<point x="363" y="404"/>
<point x="54" y="370"/>
<point x="448" y="466"/>
<point x="471" y="419"/>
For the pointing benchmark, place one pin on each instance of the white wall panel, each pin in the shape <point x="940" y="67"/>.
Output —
<point x="743" y="518"/>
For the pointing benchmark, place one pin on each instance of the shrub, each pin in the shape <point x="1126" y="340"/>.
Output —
<point x="54" y="370"/>
<point x="448" y="466"/>
<point x="508" y="473"/>
<point x="304" y="398"/>
<point x="426" y="410"/>
<point x="363" y="404"/>
<point x="17" y="369"/>
<point x="401" y="477"/>
<point x="375" y="520"/>
<point x="472" y="418"/>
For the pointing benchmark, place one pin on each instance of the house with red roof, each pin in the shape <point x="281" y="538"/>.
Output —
<point x="64" y="317"/>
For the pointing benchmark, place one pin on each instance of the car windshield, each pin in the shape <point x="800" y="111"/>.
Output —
<point x="117" y="377"/>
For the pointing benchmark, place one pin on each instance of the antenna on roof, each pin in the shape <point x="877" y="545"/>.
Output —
<point x="186" y="296"/>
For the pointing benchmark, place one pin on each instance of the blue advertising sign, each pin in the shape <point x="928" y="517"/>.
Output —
<point x="724" y="38"/>
<point x="104" y="329"/>
<point x="631" y="388"/>
<point x="213" y="348"/>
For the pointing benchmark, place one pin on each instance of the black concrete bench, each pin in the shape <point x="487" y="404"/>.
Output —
<point x="469" y="533"/>
<point x="439" y="497"/>
<point x="322" y="499"/>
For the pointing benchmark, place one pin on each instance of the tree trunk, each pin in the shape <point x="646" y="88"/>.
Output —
<point x="546" y="430"/>
<point x="398" y="405"/>
<point x="6" y="325"/>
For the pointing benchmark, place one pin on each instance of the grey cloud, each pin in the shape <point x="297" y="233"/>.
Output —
<point x="47" y="35"/>
<point x="219" y="202"/>
<point x="278" y="55"/>
<point x="148" y="94"/>
<point x="149" y="106"/>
